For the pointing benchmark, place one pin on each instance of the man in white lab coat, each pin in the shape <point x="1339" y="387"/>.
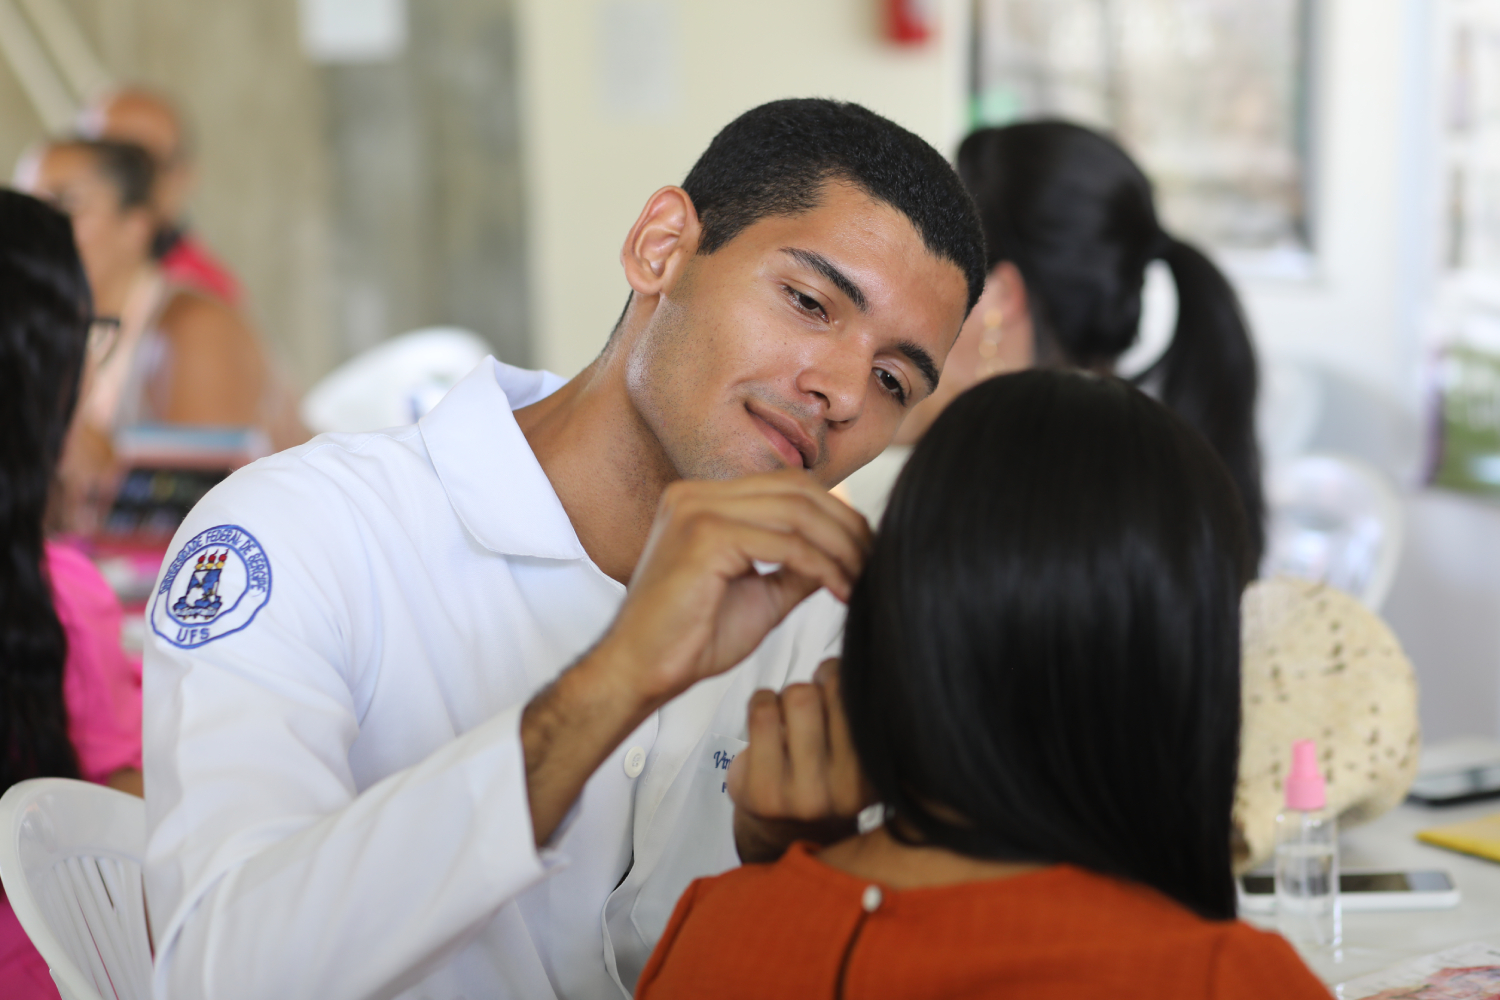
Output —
<point x="408" y="732"/>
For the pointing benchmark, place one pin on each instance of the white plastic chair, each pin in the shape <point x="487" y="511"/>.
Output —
<point x="1305" y="408"/>
<point x="70" y="859"/>
<point x="393" y="383"/>
<point x="1289" y="409"/>
<point x="1334" y="520"/>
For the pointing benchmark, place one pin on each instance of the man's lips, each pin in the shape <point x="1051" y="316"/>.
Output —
<point x="791" y="443"/>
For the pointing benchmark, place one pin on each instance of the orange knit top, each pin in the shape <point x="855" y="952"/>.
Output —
<point x="800" y="928"/>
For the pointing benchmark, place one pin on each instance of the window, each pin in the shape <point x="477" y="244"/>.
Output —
<point x="1210" y="97"/>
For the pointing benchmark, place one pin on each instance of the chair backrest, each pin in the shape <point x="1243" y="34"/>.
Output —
<point x="1305" y="408"/>
<point x="70" y="860"/>
<point x="1288" y="409"/>
<point x="393" y="383"/>
<point x="1334" y="520"/>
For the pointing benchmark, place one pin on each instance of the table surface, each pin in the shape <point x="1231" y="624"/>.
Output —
<point x="1373" y="941"/>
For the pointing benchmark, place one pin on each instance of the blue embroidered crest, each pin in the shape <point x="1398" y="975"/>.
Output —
<point x="214" y="586"/>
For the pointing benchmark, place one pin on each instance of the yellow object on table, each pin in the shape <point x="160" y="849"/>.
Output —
<point x="1479" y="837"/>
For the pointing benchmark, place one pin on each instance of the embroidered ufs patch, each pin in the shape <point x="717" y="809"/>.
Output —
<point x="214" y="587"/>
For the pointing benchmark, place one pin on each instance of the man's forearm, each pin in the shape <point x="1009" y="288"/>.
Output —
<point x="316" y="887"/>
<point x="569" y="729"/>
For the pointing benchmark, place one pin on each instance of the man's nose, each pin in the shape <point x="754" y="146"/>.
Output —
<point x="840" y="379"/>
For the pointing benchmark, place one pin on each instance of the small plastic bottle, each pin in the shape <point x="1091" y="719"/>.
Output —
<point x="1307" y="857"/>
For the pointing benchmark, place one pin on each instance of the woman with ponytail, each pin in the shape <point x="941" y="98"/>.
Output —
<point x="69" y="697"/>
<point x="1071" y="226"/>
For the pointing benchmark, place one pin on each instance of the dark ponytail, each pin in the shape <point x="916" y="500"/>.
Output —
<point x="1208" y="375"/>
<point x="1075" y="215"/>
<point x="45" y="310"/>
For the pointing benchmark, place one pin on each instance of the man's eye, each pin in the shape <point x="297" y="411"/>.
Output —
<point x="892" y="384"/>
<point x="808" y="303"/>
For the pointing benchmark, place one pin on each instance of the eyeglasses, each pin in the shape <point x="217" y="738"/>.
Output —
<point x="104" y="333"/>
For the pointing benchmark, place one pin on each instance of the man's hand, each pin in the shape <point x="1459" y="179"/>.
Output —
<point x="799" y="778"/>
<point x="696" y="606"/>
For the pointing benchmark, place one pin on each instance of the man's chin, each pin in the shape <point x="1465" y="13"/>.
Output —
<point x="732" y="466"/>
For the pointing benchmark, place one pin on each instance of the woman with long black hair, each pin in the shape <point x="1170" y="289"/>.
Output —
<point x="1040" y="684"/>
<point x="69" y="697"/>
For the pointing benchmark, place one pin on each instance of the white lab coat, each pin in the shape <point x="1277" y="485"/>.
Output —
<point x="339" y="651"/>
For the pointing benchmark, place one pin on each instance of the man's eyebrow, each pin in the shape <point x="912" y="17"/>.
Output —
<point x="829" y="270"/>
<point x="918" y="356"/>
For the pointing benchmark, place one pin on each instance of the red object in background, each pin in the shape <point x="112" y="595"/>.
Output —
<point x="190" y="263"/>
<point x="909" y="22"/>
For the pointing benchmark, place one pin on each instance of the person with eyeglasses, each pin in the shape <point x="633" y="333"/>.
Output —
<point x="70" y="698"/>
<point x="163" y="353"/>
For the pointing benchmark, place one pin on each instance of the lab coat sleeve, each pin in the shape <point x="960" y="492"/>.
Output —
<point x="268" y="873"/>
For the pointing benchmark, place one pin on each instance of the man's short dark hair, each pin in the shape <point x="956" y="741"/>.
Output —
<point x="775" y="159"/>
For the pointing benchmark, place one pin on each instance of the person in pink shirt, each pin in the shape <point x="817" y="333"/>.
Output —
<point x="70" y="699"/>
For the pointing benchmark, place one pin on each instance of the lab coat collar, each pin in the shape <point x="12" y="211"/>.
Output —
<point x="487" y="467"/>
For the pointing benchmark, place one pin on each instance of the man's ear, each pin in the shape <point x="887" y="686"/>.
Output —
<point x="661" y="241"/>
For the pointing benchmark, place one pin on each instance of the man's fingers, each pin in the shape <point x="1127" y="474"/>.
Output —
<point x="689" y="494"/>
<point x="798" y="514"/>
<point x="852" y="520"/>
<point x="792" y="551"/>
<point x="795" y="482"/>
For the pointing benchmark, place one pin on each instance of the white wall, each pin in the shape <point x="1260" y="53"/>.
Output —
<point x="1355" y="313"/>
<point x="591" y="166"/>
<point x="1361" y="314"/>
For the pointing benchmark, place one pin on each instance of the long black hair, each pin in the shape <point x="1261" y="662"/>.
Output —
<point x="1075" y="215"/>
<point x="45" y="311"/>
<point x="1041" y="659"/>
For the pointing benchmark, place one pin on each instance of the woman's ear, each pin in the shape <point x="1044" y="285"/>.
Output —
<point x="1010" y="291"/>
<point x="662" y="240"/>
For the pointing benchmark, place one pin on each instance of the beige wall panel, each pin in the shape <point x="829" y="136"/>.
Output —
<point x="19" y="125"/>
<point x="591" y="167"/>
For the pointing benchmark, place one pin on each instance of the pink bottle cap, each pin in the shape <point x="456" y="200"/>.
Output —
<point x="1304" y="786"/>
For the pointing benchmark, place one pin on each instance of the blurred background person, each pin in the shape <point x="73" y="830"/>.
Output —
<point x="150" y="120"/>
<point x="180" y="356"/>
<point x="70" y="700"/>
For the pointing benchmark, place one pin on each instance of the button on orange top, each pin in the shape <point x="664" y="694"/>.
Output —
<point x="800" y="928"/>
